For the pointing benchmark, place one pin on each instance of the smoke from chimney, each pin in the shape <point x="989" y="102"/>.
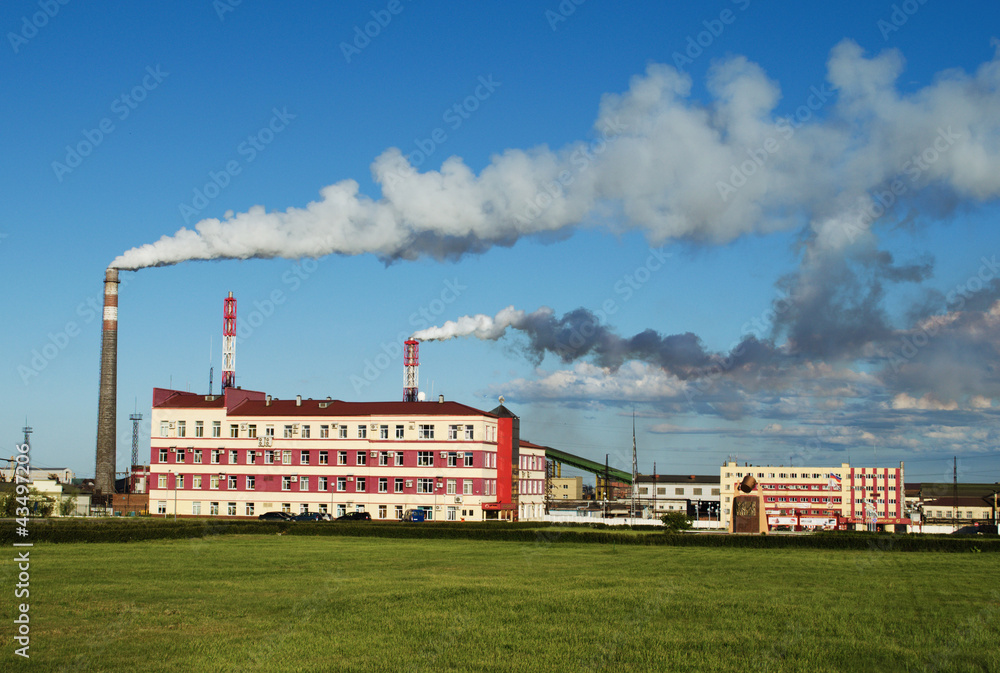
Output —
<point x="107" y="417"/>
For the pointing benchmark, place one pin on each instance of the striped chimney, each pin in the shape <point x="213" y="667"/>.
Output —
<point x="107" y="420"/>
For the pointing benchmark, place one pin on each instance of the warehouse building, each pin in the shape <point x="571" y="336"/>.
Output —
<point x="244" y="453"/>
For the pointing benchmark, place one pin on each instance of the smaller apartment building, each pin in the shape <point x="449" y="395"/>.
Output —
<point x="243" y="453"/>
<point x="822" y="497"/>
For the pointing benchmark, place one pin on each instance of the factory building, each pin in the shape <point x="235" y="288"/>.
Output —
<point x="243" y="453"/>
<point x="822" y="497"/>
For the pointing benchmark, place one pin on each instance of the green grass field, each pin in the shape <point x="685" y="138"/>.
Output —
<point x="299" y="603"/>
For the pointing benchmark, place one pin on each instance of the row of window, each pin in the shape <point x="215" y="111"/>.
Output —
<point x="249" y="509"/>
<point x="304" y="430"/>
<point x="423" y="484"/>
<point x="662" y="490"/>
<point x="286" y="457"/>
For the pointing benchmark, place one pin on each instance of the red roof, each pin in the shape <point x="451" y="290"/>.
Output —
<point x="253" y="403"/>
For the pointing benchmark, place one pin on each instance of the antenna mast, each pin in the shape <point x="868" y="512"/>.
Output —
<point x="228" y="343"/>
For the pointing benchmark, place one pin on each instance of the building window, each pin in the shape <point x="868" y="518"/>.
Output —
<point x="425" y="431"/>
<point x="425" y="458"/>
<point x="362" y="432"/>
<point x="399" y="511"/>
<point x="216" y="428"/>
<point x="286" y="507"/>
<point x="251" y="457"/>
<point x="216" y="456"/>
<point x="678" y="491"/>
<point x="360" y="485"/>
<point x="234" y="430"/>
<point x="383" y="458"/>
<point x="196" y="508"/>
<point x="248" y="510"/>
<point x="196" y="481"/>
<point x="164" y="428"/>
<point x="451" y="487"/>
<point x="322" y="508"/>
<point x="399" y="432"/>
<point x="199" y="428"/>
<point x="469" y="433"/>
<point x="715" y="491"/>
<point x="452" y="432"/>
<point x="382" y="509"/>
<point x="383" y="432"/>
<point x="468" y="459"/>
<point x="305" y="432"/>
<point x="425" y="485"/>
<point x="362" y="458"/>
<point x="342" y="432"/>
<point x="383" y="485"/>
<point x="340" y="510"/>
<point x="163" y="455"/>
<point x="452" y="459"/>
<point x="232" y="483"/>
<point x="399" y="458"/>
<point x="231" y="509"/>
<point x="397" y="485"/>
<point x="286" y="483"/>
<point x="213" y="508"/>
<point x="251" y="482"/>
<point x="268" y="456"/>
<point x="341" y="483"/>
<point x="322" y="483"/>
<point x="161" y="506"/>
<point x="342" y="458"/>
<point x="324" y="458"/>
<point x="452" y="512"/>
<point x="303" y="483"/>
<point x="304" y="508"/>
<point x="286" y="457"/>
<point x="467" y="487"/>
<point x="178" y="481"/>
<point x="324" y="432"/>
<point x="213" y="482"/>
<point x="181" y="428"/>
<point x="234" y="457"/>
<point x="197" y="456"/>
<point x="287" y="432"/>
<point x="303" y="457"/>
<point x="697" y="491"/>
<point x="162" y="481"/>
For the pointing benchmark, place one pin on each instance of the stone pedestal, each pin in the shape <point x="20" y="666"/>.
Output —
<point x="748" y="515"/>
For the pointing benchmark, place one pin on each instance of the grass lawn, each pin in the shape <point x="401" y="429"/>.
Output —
<point x="291" y="603"/>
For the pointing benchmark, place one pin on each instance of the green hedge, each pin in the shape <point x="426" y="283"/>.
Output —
<point x="135" y="529"/>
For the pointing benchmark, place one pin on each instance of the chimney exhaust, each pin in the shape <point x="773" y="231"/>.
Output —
<point x="107" y="420"/>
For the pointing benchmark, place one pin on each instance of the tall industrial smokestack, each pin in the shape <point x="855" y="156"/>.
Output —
<point x="107" y="419"/>
<point x="411" y="360"/>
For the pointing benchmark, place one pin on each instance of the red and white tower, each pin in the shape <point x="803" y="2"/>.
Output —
<point x="411" y="360"/>
<point x="229" y="343"/>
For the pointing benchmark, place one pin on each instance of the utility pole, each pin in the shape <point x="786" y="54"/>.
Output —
<point x="954" y="494"/>
<point x="654" y="489"/>
<point x="606" y="494"/>
<point x="635" y="473"/>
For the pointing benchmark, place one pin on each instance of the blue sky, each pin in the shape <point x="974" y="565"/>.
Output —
<point x="280" y="102"/>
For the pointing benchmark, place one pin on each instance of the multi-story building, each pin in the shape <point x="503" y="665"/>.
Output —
<point x="697" y="495"/>
<point x="567" y="488"/>
<point x="822" y="497"/>
<point x="243" y="453"/>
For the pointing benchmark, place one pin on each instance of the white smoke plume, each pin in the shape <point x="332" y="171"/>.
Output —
<point x="482" y="326"/>
<point x="671" y="166"/>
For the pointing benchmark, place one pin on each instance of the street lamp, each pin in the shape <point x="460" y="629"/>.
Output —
<point x="174" y="474"/>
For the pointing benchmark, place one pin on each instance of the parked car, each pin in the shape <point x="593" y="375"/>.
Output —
<point x="977" y="529"/>
<point x="414" y="515"/>
<point x="313" y="516"/>
<point x="276" y="516"/>
<point x="355" y="516"/>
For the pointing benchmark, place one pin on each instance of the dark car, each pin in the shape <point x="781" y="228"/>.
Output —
<point x="312" y="516"/>
<point x="978" y="529"/>
<point x="276" y="516"/>
<point x="355" y="516"/>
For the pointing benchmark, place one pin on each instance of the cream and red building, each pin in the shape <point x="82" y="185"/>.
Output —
<point x="822" y="497"/>
<point x="243" y="453"/>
